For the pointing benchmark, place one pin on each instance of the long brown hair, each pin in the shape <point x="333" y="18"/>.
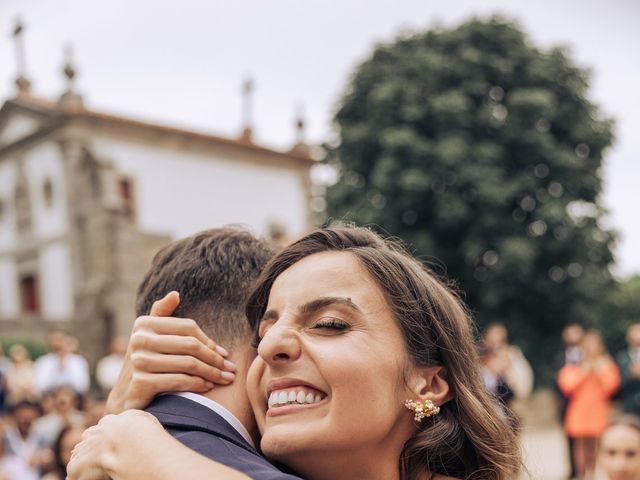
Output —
<point x="469" y="438"/>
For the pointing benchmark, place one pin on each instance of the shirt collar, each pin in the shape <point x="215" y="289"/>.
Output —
<point x="220" y="410"/>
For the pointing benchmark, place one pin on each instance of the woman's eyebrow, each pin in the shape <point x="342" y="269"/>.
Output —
<point x="320" y="303"/>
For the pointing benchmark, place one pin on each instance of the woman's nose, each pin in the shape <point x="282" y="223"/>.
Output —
<point x="280" y="344"/>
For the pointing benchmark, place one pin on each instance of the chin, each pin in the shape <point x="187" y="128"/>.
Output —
<point x="284" y="445"/>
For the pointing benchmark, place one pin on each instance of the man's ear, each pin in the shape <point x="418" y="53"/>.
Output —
<point x="430" y="383"/>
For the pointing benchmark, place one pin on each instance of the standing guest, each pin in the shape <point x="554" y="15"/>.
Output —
<point x="61" y="366"/>
<point x="23" y="441"/>
<point x="628" y="361"/>
<point x="108" y="367"/>
<point x="513" y="367"/>
<point x="21" y="376"/>
<point x="619" y="451"/>
<point x="571" y="354"/>
<point x="492" y="367"/>
<point x="13" y="467"/>
<point x="589" y="385"/>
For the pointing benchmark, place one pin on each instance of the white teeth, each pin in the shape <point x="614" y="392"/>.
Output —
<point x="287" y="397"/>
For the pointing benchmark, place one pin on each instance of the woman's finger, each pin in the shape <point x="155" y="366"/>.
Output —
<point x="178" y="345"/>
<point x="154" y="363"/>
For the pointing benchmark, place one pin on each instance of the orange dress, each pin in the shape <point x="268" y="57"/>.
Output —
<point x="589" y="393"/>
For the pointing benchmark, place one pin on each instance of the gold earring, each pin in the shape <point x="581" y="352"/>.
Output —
<point x="422" y="409"/>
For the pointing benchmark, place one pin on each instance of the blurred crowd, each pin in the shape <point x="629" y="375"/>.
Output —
<point x="46" y="404"/>
<point x="599" y="396"/>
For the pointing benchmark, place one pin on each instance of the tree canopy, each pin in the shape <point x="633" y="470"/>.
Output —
<point x="484" y="153"/>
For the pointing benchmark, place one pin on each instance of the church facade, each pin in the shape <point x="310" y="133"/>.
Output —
<point x="87" y="198"/>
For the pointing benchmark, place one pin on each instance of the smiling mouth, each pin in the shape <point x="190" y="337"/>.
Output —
<point x="294" y="396"/>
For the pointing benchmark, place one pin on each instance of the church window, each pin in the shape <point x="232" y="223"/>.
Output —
<point x="47" y="192"/>
<point x="29" y="293"/>
<point x="125" y="190"/>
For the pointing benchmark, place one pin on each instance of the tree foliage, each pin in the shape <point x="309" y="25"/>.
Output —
<point x="483" y="152"/>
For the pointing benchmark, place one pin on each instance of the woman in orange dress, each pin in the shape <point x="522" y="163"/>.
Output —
<point x="589" y="386"/>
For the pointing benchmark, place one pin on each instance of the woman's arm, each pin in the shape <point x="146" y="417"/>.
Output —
<point x="134" y="446"/>
<point x="571" y="377"/>
<point x="167" y="354"/>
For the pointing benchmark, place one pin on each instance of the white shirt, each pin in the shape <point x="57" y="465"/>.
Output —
<point x="52" y="372"/>
<point x="220" y="410"/>
<point x="108" y="370"/>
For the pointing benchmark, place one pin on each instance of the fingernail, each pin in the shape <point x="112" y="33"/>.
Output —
<point x="222" y="351"/>
<point x="209" y="385"/>
<point x="229" y="376"/>
<point x="229" y="365"/>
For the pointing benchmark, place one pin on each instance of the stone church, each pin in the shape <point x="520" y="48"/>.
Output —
<point x="87" y="198"/>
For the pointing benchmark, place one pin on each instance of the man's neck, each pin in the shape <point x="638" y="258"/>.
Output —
<point x="234" y="397"/>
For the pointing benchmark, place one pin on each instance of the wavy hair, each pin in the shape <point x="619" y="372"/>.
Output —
<point x="470" y="438"/>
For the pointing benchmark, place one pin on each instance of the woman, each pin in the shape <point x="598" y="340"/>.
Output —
<point x="589" y="386"/>
<point x="619" y="451"/>
<point x="363" y="332"/>
<point x="21" y="376"/>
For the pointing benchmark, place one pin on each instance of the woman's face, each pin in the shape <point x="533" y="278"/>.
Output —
<point x="329" y="372"/>
<point x="620" y="453"/>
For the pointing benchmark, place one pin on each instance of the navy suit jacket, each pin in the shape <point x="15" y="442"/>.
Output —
<point x="206" y="432"/>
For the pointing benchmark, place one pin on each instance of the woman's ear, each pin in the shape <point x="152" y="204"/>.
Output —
<point x="430" y="383"/>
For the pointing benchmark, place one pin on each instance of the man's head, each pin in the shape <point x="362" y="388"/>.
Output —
<point x="58" y="342"/>
<point x="214" y="272"/>
<point x="572" y="335"/>
<point x="24" y="413"/>
<point x="633" y="335"/>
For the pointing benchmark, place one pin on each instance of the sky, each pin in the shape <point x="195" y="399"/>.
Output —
<point x="183" y="63"/>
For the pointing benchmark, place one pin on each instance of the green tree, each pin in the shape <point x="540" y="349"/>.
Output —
<point x="619" y="309"/>
<point x="483" y="152"/>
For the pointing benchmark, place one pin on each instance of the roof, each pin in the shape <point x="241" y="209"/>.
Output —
<point x="47" y="108"/>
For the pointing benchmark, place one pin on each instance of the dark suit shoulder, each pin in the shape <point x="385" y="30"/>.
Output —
<point x="207" y="433"/>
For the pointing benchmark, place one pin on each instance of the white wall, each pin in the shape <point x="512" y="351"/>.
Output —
<point x="56" y="293"/>
<point x="19" y="126"/>
<point x="8" y="172"/>
<point x="9" y="300"/>
<point x="181" y="193"/>
<point x="42" y="162"/>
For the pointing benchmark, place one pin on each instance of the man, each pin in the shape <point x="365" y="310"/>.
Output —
<point x="628" y="361"/>
<point x="214" y="272"/>
<point x="108" y="368"/>
<point x="61" y="367"/>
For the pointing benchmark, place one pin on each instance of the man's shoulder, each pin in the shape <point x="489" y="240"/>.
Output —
<point x="216" y="442"/>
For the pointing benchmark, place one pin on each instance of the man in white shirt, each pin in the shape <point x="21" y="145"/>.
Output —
<point x="61" y="367"/>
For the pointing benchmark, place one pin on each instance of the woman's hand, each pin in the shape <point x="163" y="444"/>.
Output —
<point x="99" y="453"/>
<point x="167" y="354"/>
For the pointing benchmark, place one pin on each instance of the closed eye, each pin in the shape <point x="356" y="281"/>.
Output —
<point x="331" y="324"/>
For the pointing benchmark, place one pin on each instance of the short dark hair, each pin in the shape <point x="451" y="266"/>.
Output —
<point x="214" y="271"/>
